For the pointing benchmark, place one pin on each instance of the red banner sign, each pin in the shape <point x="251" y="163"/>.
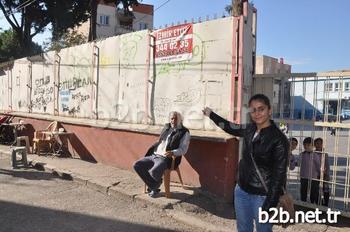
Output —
<point x="174" y="43"/>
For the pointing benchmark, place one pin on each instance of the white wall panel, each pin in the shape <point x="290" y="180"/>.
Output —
<point x="20" y="75"/>
<point x="75" y="92"/>
<point x="42" y="96"/>
<point x="184" y="85"/>
<point x="108" y="77"/>
<point x="133" y="74"/>
<point x="4" y="91"/>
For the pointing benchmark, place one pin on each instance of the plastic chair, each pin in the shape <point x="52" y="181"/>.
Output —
<point x="166" y="178"/>
<point x="44" y="138"/>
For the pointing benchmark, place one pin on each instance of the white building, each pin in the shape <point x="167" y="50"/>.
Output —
<point x="303" y="96"/>
<point x="272" y="86"/>
<point x="323" y="93"/>
<point x="111" y="21"/>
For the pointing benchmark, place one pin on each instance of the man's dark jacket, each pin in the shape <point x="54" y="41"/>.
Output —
<point x="173" y="144"/>
<point x="270" y="152"/>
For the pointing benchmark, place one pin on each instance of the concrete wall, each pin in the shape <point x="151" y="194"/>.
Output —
<point x="107" y="96"/>
<point x="42" y="81"/>
<point x="187" y="86"/>
<point x="117" y="79"/>
<point x="4" y="89"/>
<point x="247" y="46"/>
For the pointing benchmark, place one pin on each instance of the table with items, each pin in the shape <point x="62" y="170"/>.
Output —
<point x="61" y="140"/>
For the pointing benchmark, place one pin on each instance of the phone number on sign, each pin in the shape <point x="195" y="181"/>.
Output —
<point x="173" y="45"/>
<point x="173" y="52"/>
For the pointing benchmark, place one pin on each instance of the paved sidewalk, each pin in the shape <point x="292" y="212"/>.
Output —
<point x="190" y="205"/>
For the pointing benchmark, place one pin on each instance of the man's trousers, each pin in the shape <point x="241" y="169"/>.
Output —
<point x="151" y="169"/>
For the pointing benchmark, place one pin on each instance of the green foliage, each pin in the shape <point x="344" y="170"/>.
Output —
<point x="29" y="18"/>
<point x="10" y="49"/>
<point x="8" y="46"/>
<point x="32" y="17"/>
<point x="66" y="14"/>
<point x="68" y="39"/>
<point x="228" y="9"/>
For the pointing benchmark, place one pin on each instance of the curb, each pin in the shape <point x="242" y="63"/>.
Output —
<point x="107" y="190"/>
<point x="116" y="192"/>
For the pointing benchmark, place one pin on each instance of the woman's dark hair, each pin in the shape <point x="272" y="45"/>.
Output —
<point x="261" y="98"/>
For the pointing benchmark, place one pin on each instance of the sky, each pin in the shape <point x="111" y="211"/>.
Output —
<point x="311" y="35"/>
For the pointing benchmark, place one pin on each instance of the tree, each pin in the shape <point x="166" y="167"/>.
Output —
<point x="236" y="8"/>
<point x="30" y="17"/>
<point x="68" y="39"/>
<point x="9" y="46"/>
<point x="126" y="4"/>
<point x="66" y="14"/>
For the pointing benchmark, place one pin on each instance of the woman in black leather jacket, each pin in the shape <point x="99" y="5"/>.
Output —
<point x="269" y="148"/>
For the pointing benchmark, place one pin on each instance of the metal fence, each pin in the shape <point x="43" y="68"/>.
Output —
<point x="315" y="105"/>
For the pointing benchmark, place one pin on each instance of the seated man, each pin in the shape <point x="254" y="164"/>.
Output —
<point x="173" y="141"/>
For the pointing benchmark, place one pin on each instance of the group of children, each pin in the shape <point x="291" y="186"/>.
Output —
<point x="314" y="167"/>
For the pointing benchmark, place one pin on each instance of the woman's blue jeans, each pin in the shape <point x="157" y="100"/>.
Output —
<point x="247" y="210"/>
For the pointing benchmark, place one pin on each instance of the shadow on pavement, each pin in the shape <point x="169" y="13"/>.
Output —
<point x="27" y="174"/>
<point x="18" y="218"/>
<point x="203" y="202"/>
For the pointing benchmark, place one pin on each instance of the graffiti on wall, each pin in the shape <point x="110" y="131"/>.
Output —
<point x="75" y="83"/>
<point x="80" y="97"/>
<point x="72" y="95"/>
<point x="66" y="98"/>
<point x="162" y="107"/>
<point x="128" y="51"/>
<point x="42" y="93"/>
<point x="189" y="97"/>
<point x="106" y="60"/>
<point x="185" y="99"/>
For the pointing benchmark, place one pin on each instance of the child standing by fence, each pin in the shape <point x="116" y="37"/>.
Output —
<point x="324" y="170"/>
<point x="309" y="172"/>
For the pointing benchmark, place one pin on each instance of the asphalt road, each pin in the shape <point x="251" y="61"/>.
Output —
<point x="32" y="200"/>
